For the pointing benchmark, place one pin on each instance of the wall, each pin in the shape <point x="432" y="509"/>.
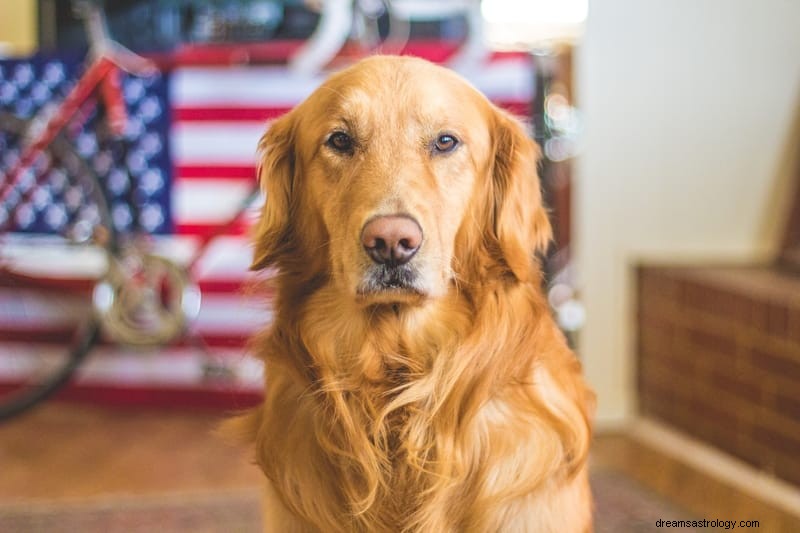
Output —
<point x="689" y="110"/>
<point x="17" y="27"/>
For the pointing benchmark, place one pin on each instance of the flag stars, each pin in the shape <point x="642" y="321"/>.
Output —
<point x="23" y="75"/>
<point x="53" y="73"/>
<point x="132" y="171"/>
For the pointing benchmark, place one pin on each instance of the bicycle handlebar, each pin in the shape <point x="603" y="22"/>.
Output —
<point x="102" y="45"/>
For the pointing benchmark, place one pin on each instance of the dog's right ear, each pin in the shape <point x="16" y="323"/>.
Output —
<point x="276" y="174"/>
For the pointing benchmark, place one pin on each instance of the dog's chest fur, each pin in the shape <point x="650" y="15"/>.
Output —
<point x="395" y="428"/>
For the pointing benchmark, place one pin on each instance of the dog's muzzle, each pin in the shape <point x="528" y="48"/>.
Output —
<point x="391" y="241"/>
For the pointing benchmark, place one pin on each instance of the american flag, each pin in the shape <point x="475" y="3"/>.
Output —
<point x="191" y="142"/>
<point x="134" y="169"/>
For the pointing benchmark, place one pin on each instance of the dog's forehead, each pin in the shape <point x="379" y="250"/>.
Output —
<point x="380" y="87"/>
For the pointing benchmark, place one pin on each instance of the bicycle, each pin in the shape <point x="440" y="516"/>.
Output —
<point x="123" y="291"/>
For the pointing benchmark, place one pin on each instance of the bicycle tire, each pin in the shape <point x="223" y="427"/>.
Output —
<point x="35" y="370"/>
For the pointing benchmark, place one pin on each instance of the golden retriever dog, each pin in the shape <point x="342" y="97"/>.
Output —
<point x="415" y="379"/>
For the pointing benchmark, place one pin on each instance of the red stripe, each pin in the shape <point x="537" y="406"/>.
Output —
<point x="227" y="286"/>
<point x="56" y="335"/>
<point x="211" y="113"/>
<point x="520" y="109"/>
<point x="211" y="396"/>
<point x="280" y="51"/>
<point x="199" y="172"/>
<point x="42" y="335"/>
<point x="263" y="114"/>
<point x="230" y="54"/>
<point x="211" y="230"/>
<point x="84" y="286"/>
<point x="72" y="285"/>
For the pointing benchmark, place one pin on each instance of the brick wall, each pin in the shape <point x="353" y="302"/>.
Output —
<point x="719" y="358"/>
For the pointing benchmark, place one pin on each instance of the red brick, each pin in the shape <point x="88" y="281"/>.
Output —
<point x="714" y="342"/>
<point x="737" y="383"/>
<point x="778" y="320"/>
<point x="794" y="326"/>
<point x="681" y="364"/>
<point x="729" y="303"/>
<point x="661" y="396"/>
<point x="746" y="450"/>
<point x="691" y="294"/>
<point x="759" y="314"/>
<point x="711" y="300"/>
<point x="675" y="413"/>
<point x="788" y="406"/>
<point x="658" y="332"/>
<point x="658" y="375"/>
<point x="778" y="365"/>
<point x="641" y="376"/>
<point x="787" y="388"/>
<point x="787" y="466"/>
<point x="709" y="407"/>
<point x="714" y="359"/>
<point x="738" y="308"/>
<point x="744" y="400"/>
<point x="780" y="441"/>
<point x="657" y="284"/>
<point x="726" y="438"/>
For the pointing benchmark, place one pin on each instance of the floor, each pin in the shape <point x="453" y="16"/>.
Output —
<point x="69" y="452"/>
<point x="78" y="468"/>
<point x="695" y="493"/>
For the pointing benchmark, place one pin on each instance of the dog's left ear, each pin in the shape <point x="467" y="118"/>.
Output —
<point x="276" y="174"/>
<point x="521" y="225"/>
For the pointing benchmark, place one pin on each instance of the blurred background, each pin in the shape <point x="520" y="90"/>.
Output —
<point x="671" y="140"/>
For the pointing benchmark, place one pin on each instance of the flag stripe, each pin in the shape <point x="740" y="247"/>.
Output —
<point x="273" y="86"/>
<point x="215" y="143"/>
<point x="208" y="201"/>
<point x="198" y="172"/>
<point x="221" y="113"/>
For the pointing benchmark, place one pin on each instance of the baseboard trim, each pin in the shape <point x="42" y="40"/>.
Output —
<point x="715" y="463"/>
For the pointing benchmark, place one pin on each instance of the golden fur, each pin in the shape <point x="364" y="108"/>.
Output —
<point x="452" y="404"/>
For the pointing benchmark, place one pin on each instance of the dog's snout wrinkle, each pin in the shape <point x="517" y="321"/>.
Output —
<point x="392" y="239"/>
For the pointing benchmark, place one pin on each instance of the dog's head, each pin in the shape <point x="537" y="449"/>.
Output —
<point x="395" y="180"/>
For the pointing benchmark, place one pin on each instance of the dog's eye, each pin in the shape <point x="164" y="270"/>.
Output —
<point x="445" y="143"/>
<point x="341" y="142"/>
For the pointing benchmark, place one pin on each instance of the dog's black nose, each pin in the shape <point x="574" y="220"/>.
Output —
<point x="391" y="240"/>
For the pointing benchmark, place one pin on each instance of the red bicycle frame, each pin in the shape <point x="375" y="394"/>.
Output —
<point x="104" y="73"/>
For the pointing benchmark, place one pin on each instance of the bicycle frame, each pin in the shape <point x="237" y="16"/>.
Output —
<point x="104" y="72"/>
<point x="102" y="76"/>
<point x="109" y="57"/>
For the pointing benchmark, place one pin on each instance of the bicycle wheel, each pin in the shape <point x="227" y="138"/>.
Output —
<point x="55" y="238"/>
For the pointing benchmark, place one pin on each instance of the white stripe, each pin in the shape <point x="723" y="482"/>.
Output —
<point x="23" y="310"/>
<point x="239" y="86"/>
<point x="507" y="79"/>
<point x="232" y="314"/>
<point x="206" y="201"/>
<point x="52" y="257"/>
<point x="215" y="143"/>
<point x="227" y="257"/>
<point x="173" y="367"/>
